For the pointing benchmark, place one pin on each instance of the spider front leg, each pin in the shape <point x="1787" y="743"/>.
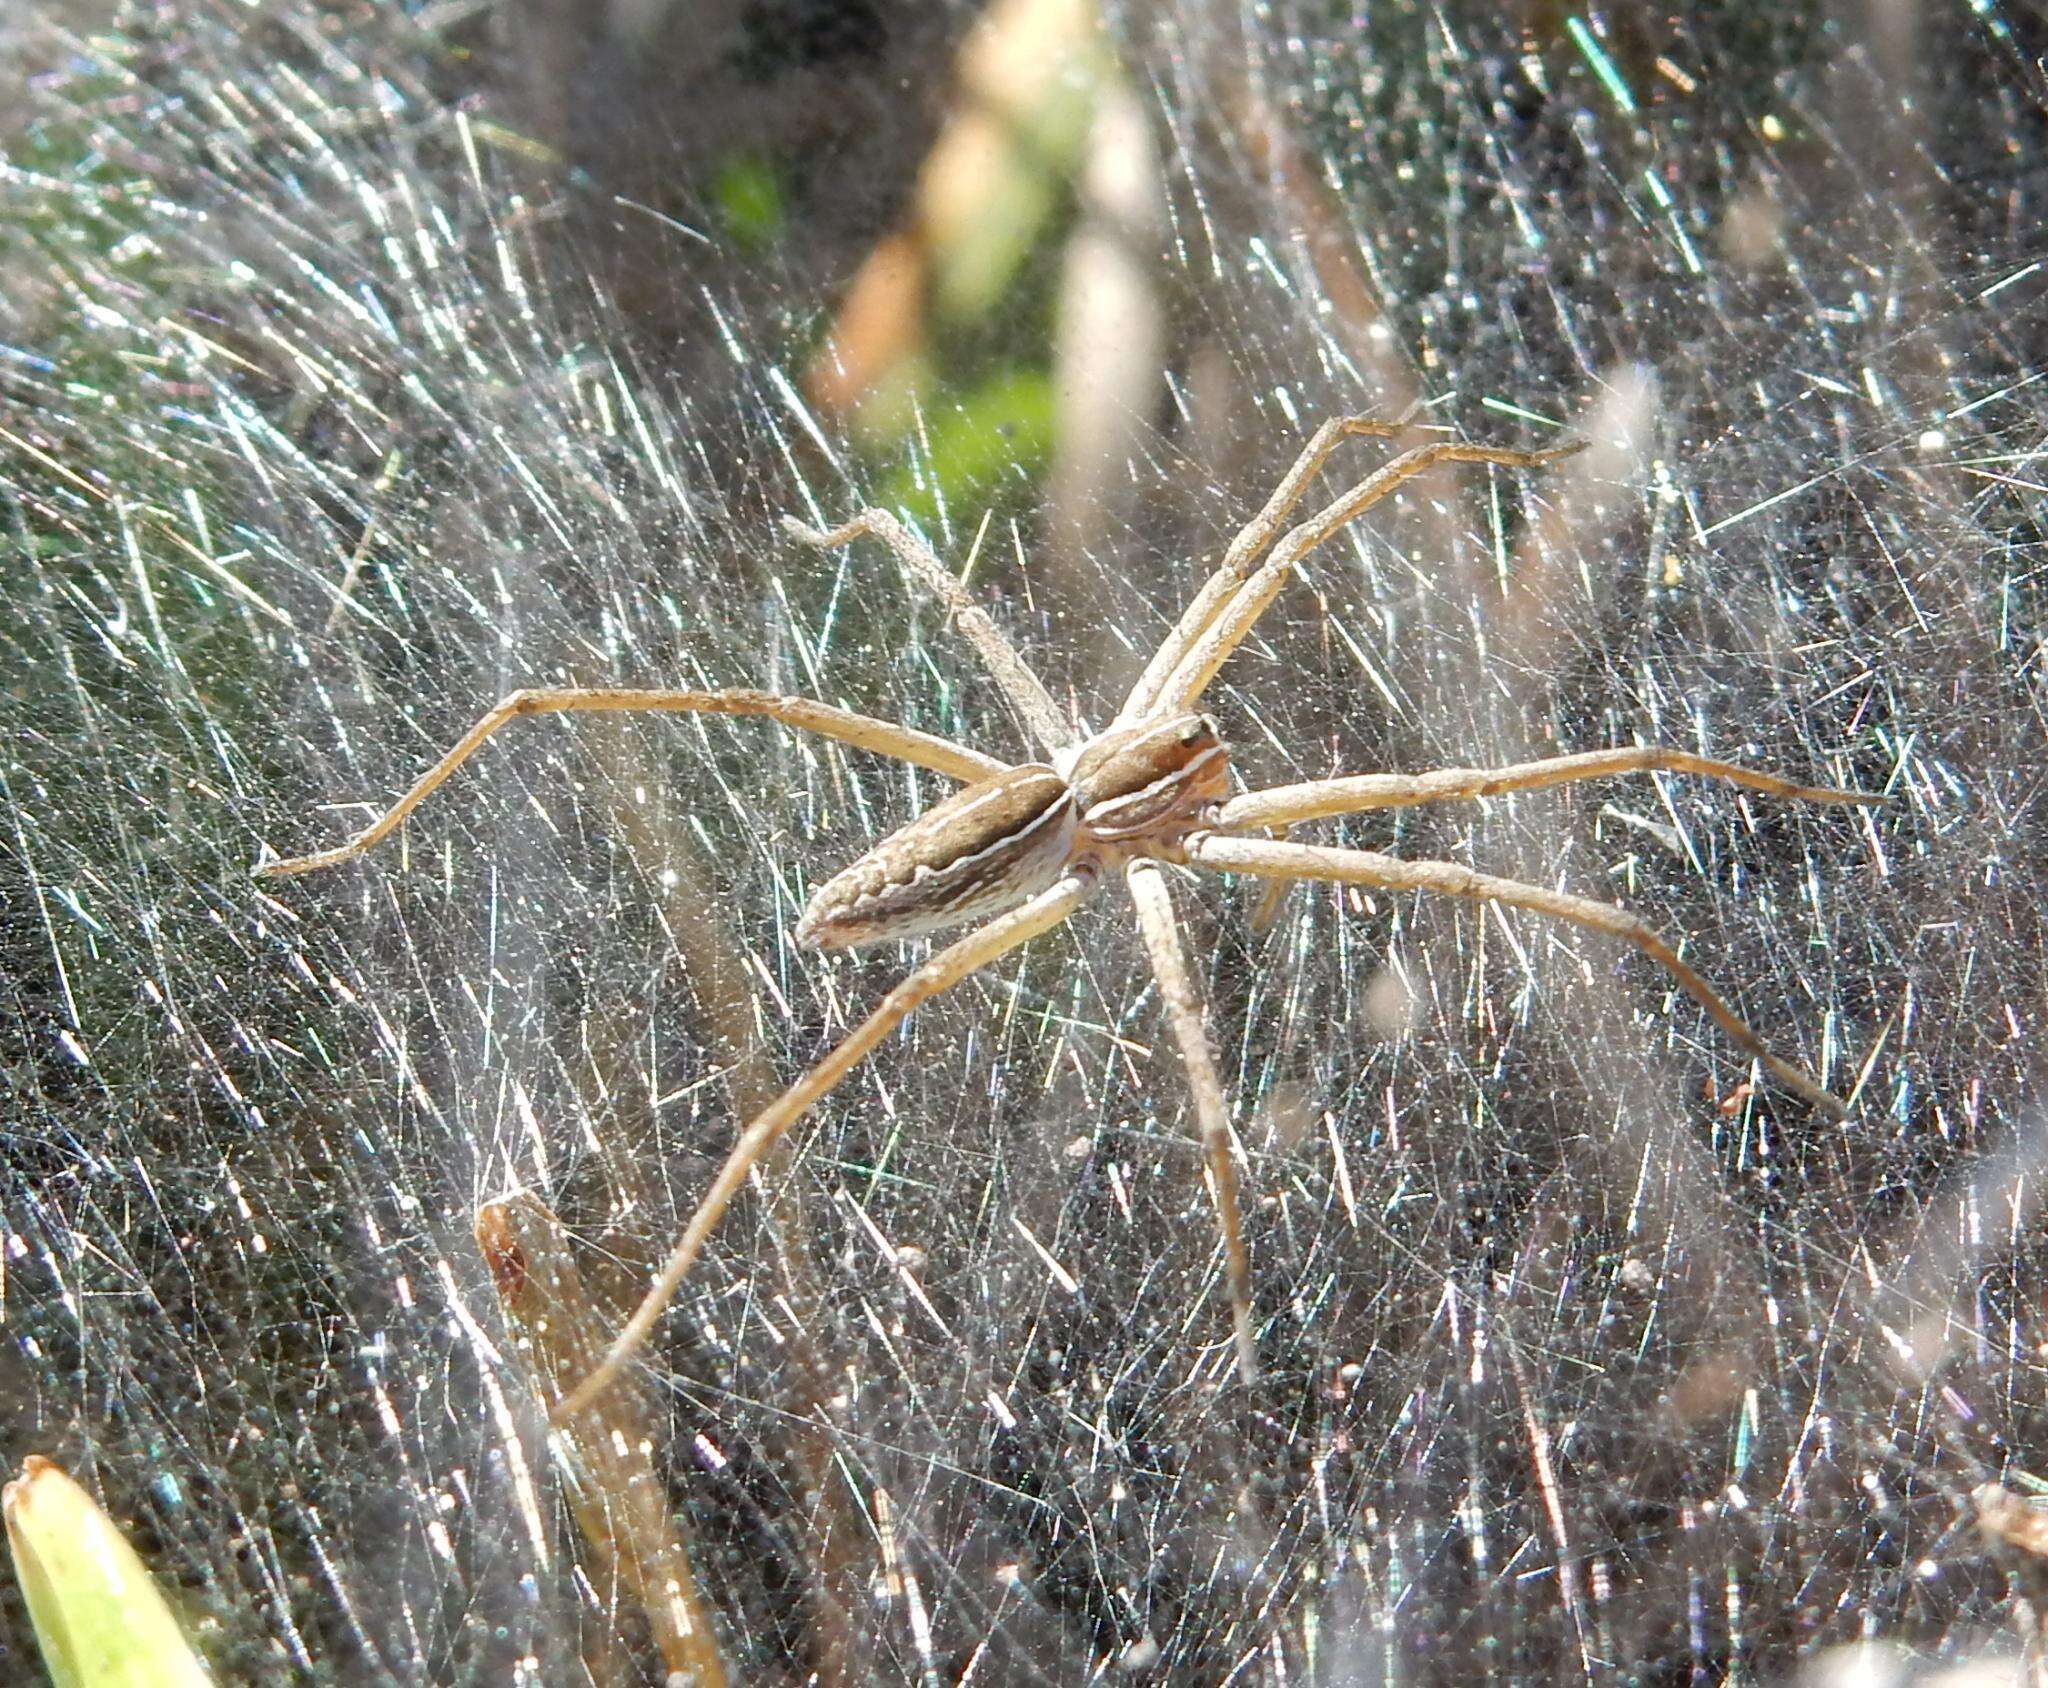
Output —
<point x="1169" y="966"/>
<point x="1026" y="692"/>
<point x="1368" y="867"/>
<point x="906" y="744"/>
<point x="1236" y="618"/>
<point x="1244" y="551"/>
<point x="937" y="974"/>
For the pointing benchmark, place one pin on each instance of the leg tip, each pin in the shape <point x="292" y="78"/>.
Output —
<point x="1247" y="1345"/>
<point x="1806" y="1088"/>
<point x="290" y="867"/>
<point x="572" y="1405"/>
<point x="1371" y="427"/>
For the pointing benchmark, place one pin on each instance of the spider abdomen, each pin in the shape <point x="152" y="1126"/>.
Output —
<point x="986" y="848"/>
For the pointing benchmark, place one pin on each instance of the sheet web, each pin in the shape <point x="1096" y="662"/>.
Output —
<point x="1584" y="1360"/>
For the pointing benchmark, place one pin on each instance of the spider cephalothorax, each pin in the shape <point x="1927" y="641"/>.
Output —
<point x="1142" y="787"/>
<point x="1022" y="846"/>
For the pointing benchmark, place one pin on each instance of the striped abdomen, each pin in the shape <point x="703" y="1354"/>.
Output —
<point x="985" y="849"/>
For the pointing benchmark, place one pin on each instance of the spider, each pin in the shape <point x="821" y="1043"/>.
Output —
<point x="1021" y="847"/>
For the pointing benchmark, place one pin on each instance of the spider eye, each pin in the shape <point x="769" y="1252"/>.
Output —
<point x="1198" y="730"/>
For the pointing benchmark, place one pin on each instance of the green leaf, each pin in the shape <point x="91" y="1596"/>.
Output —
<point x="750" y="201"/>
<point x="96" y="1610"/>
<point x="997" y="433"/>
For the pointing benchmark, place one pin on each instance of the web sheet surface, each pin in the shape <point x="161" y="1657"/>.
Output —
<point x="330" y="417"/>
